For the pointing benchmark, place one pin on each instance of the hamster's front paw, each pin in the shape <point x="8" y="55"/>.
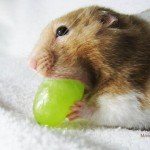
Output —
<point x="42" y="63"/>
<point x="80" y="110"/>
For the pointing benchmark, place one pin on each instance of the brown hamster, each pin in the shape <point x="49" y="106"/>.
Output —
<point x="110" y="53"/>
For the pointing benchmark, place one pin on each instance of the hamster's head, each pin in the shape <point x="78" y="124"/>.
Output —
<point x="78" y="44"/>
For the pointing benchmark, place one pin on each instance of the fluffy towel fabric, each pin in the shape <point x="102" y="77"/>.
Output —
<point x="18" y="130"/>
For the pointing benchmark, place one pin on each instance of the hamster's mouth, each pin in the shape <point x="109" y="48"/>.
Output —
<point x="87" y="75"/>
<point x="84" y="79"/>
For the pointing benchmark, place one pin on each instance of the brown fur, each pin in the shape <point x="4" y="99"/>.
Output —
<point x="115" y="59"/>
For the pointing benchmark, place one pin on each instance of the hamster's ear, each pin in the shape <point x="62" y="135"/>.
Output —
<point x="107" y="19"/>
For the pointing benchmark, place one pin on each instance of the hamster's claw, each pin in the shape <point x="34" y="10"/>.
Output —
<point x="79" y="110"/>
<point x="76" y="111"/>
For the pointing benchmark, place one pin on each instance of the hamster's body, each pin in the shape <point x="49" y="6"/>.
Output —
<point x="109" y="52"/>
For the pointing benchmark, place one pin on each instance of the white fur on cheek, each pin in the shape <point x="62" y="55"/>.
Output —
<point x="121" y="110"/>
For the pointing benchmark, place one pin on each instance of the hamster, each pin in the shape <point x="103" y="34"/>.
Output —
<point x="110" y="53"/>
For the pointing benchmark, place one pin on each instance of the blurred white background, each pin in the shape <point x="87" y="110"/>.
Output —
<point x="21" y="21"/>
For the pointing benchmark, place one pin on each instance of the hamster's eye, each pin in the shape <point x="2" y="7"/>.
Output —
<point x="62" y="30"/>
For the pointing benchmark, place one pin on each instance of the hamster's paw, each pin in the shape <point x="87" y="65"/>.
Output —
<point x="42" y="63"/>
<point x="80" y="110"/>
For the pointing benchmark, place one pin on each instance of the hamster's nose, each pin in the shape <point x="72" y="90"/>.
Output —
<point x="33" y="63"/>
